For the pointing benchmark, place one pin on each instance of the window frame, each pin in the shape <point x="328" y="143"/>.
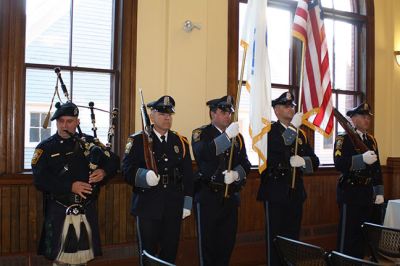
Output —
<point x="74" y="69"/>
<point x="12" y="81"/>
<point x="359" y="95"/>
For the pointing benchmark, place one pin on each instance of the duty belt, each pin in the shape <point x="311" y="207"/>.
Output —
<point x="166" y="179"/>
<point x="359" y="180"/>
<point x="70" y="199"/>
<point x="220" y="188"/>
<point x="282" y="174"/>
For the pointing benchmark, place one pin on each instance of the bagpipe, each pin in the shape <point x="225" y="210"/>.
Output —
<point x="76" y="249"/>
<point x="94" y="150"/>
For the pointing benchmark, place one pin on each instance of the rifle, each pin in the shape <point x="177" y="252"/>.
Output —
<point x="354" y="137"/>
<point x="147" y="138"/>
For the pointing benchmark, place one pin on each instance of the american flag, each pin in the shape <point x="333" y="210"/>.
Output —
<point x="308" y="27"/>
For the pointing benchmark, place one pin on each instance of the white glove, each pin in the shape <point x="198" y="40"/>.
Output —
<point x="297" y="161"/>
<point x="151" y="178"/>
<point x="379" y="199"/>
<point x="297" y="119"/>
<point x="369" y="157"/>
<point x="230" y="176"/>
<point x="233" y="130"/>
<point x="185" y="213"/>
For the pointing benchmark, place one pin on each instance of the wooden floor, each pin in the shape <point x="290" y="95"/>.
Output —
<point x="249" y="251"/>
<point x="125" y="255"/>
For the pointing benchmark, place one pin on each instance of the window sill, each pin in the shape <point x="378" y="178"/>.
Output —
<point x="23" y="178"/>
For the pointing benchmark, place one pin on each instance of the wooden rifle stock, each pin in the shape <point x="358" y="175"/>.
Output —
<point x="147" y="138"/>
<point x="354" y="137"/>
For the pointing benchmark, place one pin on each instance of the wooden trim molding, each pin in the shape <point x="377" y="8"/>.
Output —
<point x="394" y="163"/>
<point x="233" y="47"/>
<point x="128" y="70"/>
<point x="12" y="84"/>
<point x="392" y="184"/>
<point x="370" y="60"/>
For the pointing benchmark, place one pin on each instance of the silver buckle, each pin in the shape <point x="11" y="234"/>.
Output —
<point x="164" y="179"/>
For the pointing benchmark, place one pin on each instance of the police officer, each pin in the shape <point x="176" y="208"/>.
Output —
<point x="284" y="205"/>
<point x="160" y="202"/>
<point x="360" y="184"/>
<point x="61" y="170"/>
<point x="217" y="216"/>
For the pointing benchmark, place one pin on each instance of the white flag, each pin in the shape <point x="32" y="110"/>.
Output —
<point x="258" y="84"/>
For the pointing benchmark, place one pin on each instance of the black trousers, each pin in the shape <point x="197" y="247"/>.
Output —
<point x="160" y="236"/>
<point x="217" y="221"/>
<point x="350" y="240"/>
<point x="284" y="219"/>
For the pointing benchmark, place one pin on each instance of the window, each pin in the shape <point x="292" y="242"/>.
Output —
<point x="77" y="36"/>
<point x="36" y="132"/>
<point x="346" y="27"/>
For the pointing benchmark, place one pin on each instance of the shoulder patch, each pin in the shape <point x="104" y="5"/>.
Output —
<point x="36" y="156"/>
<point x="339" y="142"/>
<point x="338" y="153"/>
<point x="340" y="137"/>
<point x="128" y="145"/>
<point x="196" y="134"/>
<point x="183" y="141"/>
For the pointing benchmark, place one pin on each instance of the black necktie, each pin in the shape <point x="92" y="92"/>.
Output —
<point x="365" y="139"/>
<point x="163" y="144"/>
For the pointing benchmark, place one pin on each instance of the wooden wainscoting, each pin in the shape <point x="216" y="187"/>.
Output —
<point x="22" y="215"/>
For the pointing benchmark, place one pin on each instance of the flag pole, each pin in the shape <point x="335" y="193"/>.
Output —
<point x="236" y="113"/>
<point x="299" y="108"/>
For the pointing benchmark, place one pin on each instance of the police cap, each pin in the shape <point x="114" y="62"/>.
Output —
<point x="285" y="99"/>
<point x="65" y="109"/>
<point x="362" y="109"/>
<point x="165" y="104"/>
<point x="224" y="103"/>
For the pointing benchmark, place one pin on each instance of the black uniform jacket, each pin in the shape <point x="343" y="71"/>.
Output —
<point x="175" y="163"/>
<point x="277" y="178"/>
<point x="212" y="165"/>
<point x="56" y="164"/>
<point x="356" y="185"/>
